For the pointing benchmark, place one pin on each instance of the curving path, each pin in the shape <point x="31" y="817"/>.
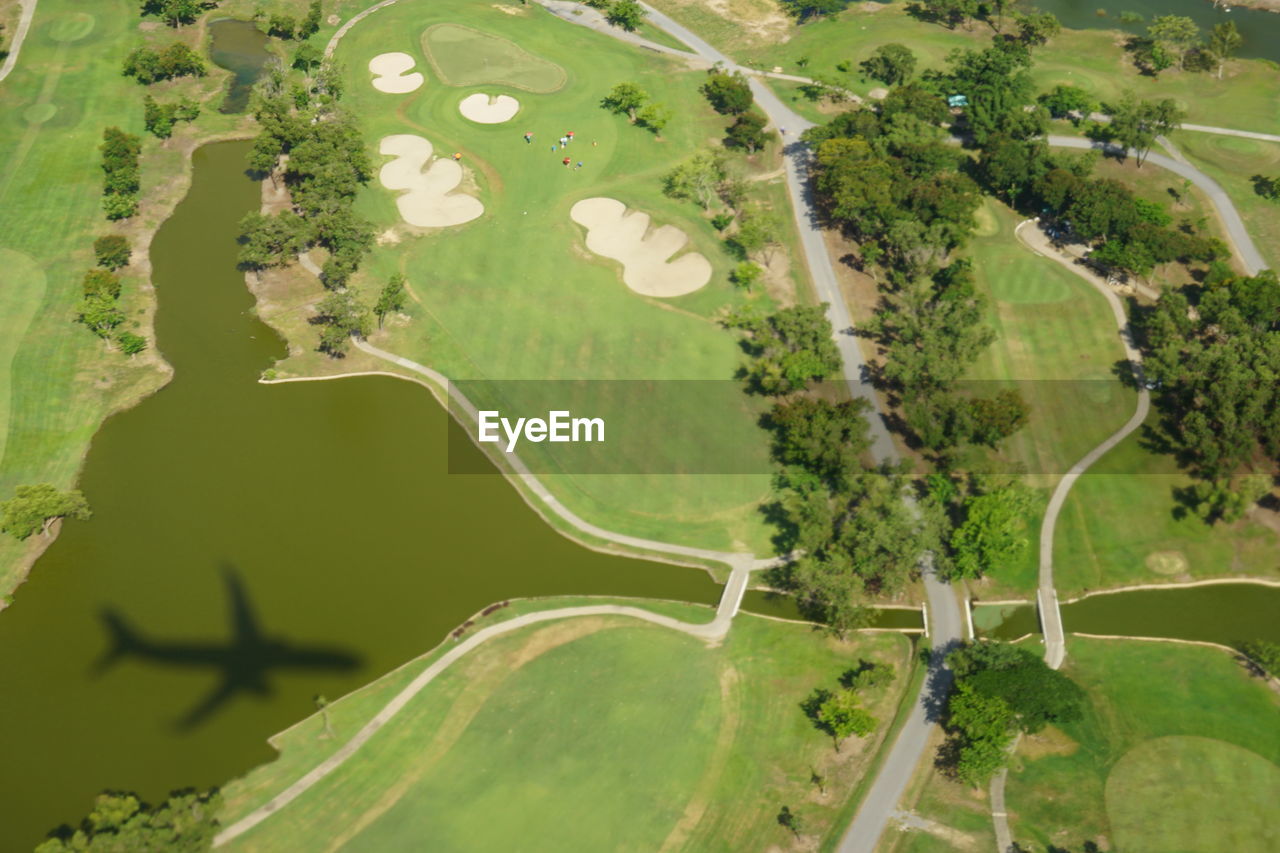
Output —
<point x="712" y="632"/>
<point x="19" y="36"/>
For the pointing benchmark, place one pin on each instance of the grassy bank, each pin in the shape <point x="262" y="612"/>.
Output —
<point x="594" y="732"/>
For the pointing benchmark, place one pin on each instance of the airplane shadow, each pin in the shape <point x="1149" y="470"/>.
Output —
<point x="243" y="664"/>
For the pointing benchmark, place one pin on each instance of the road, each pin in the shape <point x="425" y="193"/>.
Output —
<point x="19" y="36"/>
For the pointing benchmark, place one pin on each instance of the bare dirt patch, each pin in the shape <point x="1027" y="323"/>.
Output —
<point x="1167" y="563"/>
<point x="1051" y="741"/>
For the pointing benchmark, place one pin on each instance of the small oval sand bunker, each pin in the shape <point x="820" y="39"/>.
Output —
<point x="625" y="237"/>
<point x="429" y="201"/>
<point x="389" y="70"/>
<point x="488" y="109"/>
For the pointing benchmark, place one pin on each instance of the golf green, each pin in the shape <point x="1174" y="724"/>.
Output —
<point x="462" y="56"/>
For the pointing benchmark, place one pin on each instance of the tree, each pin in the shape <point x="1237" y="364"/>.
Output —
<point x="307" y="57"/>
<point x="840" y="716"/>
<point x="1136" y="124"/>
<point x="282" y="26"/>
<point x="311" y="23"/>
<point x="322" y="705"/>
<point x="869" y="675"/>
<point x="1068" y="101"/>
<point x="146" y="65"/>
<point x="790" y="820"/>
<point x="982" y="728"/>
<point x="825" y="439"/>
<point x="808" y="10"/>
<point x="952" y="13"/>
<point x="697" y="179"/>
<point x="185" y="823"/>
<point x="340" y="314"/>
<point x="131" y="344"/>
<point x="1037" y="28"/>
<point x="113" y="251"/>
<point x="748" y="131"/>
<point x="1265" y="654"/>
<point x="36" y="507"/>
<point x="100" y="314"/>
<point x="391" y="298"/>
<point x="627" y="14"/>
<point x="654" y="116"/>
<point x="997" y="417"/>
<point x="891" y="64"/>
<point x="1224" y="41"/>
<point x="729" y="94"/>
<point x="746" y="274"/>
<point x="272" y="241"/>
<point x="1266" y="186"/>
<point x="1179" y="31"/>
<point x="100" y="283"/>
<point x="993" y="534"/>
<point x="625" y="98"/>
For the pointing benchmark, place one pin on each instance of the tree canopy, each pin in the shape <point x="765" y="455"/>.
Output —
<point x="35" y="508"/>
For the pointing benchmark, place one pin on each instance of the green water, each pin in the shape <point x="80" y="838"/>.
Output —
<point x="327" y="504"/>
<point x="1261" y="30"/>
<point x="1223" y="613"/>
<point x="241" y="48"/>
<point x="784" y="607"/>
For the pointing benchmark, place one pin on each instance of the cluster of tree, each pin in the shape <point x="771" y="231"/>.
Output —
<point x="850" y="524"/>
<point x="1175" y="39"/>
<point x="630" y="100"/>
<point x="627" y="14"/>
<point x="1000" y="689"/>
<point x="120" y="184"/>
<point x="752" y="232"/>
<point x="327" y="165"/>
<point x="159" y="118"/>
<point x="184" y="823"/>
<point x="1214" y="361"/>
<point x="839" y="713"/>
<point x="148" y="65"/>
<point x="36" y="508"/>
<point x="284" y="26"/>
<point x="1032" y="28"/>
<point x="99" y="308"/>
<point x="730" y="94"/>
<point x="177" y="12"/>
<point x="789" y="348"/>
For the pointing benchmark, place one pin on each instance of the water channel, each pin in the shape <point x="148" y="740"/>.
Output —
<point x="241" y="48"/>
<point x="1260" y="29"/>
<point x="325" y="508"/>
<point x="1224" y="613"/>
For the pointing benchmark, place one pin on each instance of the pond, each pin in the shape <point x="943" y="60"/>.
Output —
<point x="251" y="546"/>
<point x="1224" y="613"/>
<point x="241" y="48"/>
<point x="1261" y="30"/>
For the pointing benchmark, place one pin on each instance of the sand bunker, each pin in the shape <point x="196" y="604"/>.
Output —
<point x="488" y="109"/>
<point x="617" y="234"/>
<point x="389" y="73"/>
<point x="428" y="202"/>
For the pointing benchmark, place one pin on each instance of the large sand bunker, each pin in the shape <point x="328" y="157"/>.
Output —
<point x="617" y="234"/>
<point x="488" y="109"/>
<point x="428" y="202"/>
<point x="389" y="73"/>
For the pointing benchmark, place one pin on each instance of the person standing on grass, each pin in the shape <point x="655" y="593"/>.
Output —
<point x="566" y="162"/>
<point x="528" y="137"/>
<point x="577" y="167"/>
<point x="569" y="136"/>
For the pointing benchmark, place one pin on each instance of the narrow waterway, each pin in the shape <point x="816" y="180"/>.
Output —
<point x="241" y="48"/>
<point x="251" y="546"/>
<point x="1224" y="613"/>
<point x="1261" y="30"/>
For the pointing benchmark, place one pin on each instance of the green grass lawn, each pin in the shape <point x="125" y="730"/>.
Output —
<point x="1057" y="345"/>
<point x="515" y="296"/>
<point x="589" y="733"/>
<point x="1232" y="161"/>
<point x="1178" y="750"/>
